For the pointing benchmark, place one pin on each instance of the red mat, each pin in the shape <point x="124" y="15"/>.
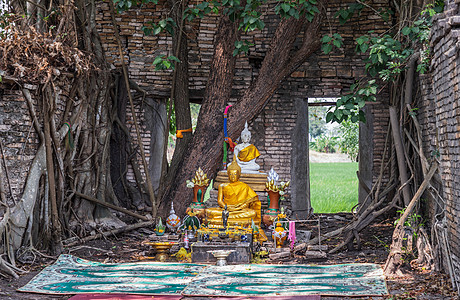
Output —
<point x="122" y="297"/>
<point x="309" y="297"/>
<point x="142" y="297"/>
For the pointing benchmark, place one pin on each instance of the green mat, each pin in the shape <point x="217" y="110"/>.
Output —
<point x="289" y="280"/>
<point x="72" y="275"/>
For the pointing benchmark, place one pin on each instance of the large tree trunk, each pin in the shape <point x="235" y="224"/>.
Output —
<point x="179" y="95"/>
<point x="205" y="150"/>
<point x="210" y="122"/>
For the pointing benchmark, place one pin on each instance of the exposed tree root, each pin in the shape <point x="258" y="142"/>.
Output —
<point x="394" y="260"/>
<point x="75" y="241"/>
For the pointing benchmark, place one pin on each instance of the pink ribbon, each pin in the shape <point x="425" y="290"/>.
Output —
<point x="292" y="236"/>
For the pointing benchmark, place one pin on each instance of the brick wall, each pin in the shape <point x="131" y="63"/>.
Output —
<point x="440" y="119"/>
<point x="18" y="141"/>
<point x="321" y="76"/>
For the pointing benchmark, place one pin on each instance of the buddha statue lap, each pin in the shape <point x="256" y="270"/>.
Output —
<point x="242" y="202"/>
<point x="245" y="154"/>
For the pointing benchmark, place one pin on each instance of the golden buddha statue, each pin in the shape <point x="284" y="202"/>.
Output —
<point x="242" y="202"/>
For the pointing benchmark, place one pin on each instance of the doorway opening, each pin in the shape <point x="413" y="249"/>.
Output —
<point x="333" y="162"/>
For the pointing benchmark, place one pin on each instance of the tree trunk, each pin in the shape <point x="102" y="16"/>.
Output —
<point x="180" y="95"/>
<point x="205" y="150"/>
<point x="118" y="142"/>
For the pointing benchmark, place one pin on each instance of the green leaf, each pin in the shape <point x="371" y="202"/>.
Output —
<point x="362" y="116"/>
<point x="172" y="57"/>
<point x="340" y="101"/>
<point x="349" y="106"/>
<point x="286" y="7"/>
<point x="406" y="30"/>
<point x="373" y="89"/>
<point x="337" y="36"/>
<point x="158" y="59"/>
<point x="337" y="43"/>
<point x="329" y="117"/>
<point x="327" y="48"/>
<point x="364" y="47"/>
<point x="361" y="40"/>
<point x="326" y="39"/>
<point x="338" y="114"/>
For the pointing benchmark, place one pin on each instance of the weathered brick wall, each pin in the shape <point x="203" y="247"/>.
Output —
<point x="18" y="140"/>
<point x="440" y="118"/>
<point x="321" y="76"/>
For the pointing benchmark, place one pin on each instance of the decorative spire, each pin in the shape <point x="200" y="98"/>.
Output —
<point x="272" y="175"/>
<point x="246" y="130"/>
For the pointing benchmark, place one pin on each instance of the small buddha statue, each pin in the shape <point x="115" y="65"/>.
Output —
<point x="240" y="200"/>
<point x="245" y="154"/>
<point x="225" y="215"/>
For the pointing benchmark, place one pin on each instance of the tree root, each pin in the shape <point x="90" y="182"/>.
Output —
<point x="75" y="241"/>
<point x="395" y="257"/>
<point x="10" y="269"/>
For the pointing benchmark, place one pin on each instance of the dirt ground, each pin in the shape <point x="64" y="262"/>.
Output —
<point x="320" y="157"/>
<point x="376" y="239"/>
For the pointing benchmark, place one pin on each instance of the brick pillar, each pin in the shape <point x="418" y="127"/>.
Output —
<point x="300" y="178"/>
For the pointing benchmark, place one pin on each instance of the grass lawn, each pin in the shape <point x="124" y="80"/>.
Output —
<point x="333" y="186"/>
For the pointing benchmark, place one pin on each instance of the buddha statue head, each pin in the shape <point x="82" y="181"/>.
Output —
<point x="245" y="134"/>
<point x="233" y="172"/>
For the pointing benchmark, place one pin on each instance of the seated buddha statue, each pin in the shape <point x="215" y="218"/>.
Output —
<point x="245" y="154"/>
<point x="242" y="202"/>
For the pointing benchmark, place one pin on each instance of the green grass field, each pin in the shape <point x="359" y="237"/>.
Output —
<point x="333" y="187"/>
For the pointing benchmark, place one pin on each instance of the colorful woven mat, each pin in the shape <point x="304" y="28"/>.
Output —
<point x="289" y="280"/>
<point x="71" y="275"/>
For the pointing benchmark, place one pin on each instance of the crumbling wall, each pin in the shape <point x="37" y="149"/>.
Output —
<point x="440" y="119"/>
<point x="321" y="76"/>
<point x="18" y="140"/>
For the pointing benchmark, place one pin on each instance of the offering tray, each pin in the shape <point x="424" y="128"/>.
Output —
<point x="161" y="249"/>
<point x="221" y="256"/>
<point x="240" y="253"/>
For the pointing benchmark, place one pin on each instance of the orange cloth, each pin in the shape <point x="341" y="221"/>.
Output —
<point x="237" y="192"/>
<point x="248" y="153"/>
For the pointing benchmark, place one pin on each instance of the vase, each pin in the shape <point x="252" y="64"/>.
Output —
<point x="197" y="205"/>
<point x="273" y="209"/>
<point x="196" y="188"/>
<point x="274" y="200"/>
